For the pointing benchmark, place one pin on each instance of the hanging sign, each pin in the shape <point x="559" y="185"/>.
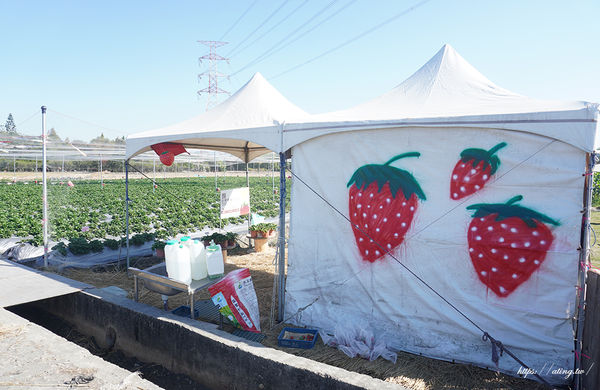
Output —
<point x="235" y="202"/>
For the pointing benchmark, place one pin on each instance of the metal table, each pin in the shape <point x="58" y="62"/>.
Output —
<point x="155" y="279"/>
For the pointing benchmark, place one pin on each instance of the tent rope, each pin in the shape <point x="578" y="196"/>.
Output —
<point x="496" y="345"/>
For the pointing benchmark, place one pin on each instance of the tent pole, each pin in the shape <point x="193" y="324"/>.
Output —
<point x="215" y="164"/>
<point x="44" y="187"/>
<point x="101" y="178"/>
<point x="583" y="263"/>
<point x="154" y="171"/>
<point x="127" y="208"/>
<point x="248" y="185"/>
<point x="281" y="266"/>
<point x="273" y="174"/>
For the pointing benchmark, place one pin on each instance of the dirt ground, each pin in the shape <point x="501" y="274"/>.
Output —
<point x="412" y="371"/>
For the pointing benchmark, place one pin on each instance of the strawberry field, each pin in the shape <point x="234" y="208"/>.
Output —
<point x="91" y="211"/>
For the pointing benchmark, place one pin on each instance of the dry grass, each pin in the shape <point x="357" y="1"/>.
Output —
<point x="412" y="371"/>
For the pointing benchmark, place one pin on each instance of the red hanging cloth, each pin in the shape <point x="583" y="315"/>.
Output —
<point x="167" y="151"/>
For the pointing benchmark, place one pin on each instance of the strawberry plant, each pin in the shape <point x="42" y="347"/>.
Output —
<point x="86" y="210"/>
<point x="382" y="202"/>
<point x="507" y="243"/>
<point x="473" y="170"/>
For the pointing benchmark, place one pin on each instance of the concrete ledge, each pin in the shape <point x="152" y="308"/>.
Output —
<point x="34" y="357"/>
<point x="213" y="358"/>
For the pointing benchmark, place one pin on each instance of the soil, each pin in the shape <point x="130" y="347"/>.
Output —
<point x="412" y="371"/>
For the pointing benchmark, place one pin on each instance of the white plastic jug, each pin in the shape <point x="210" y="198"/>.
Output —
<point x="171" y="258"/>
<point x="198" y="260"/>
<point x="214" y="261"/>
<point x="186" y="240"/>
<point x="184" y="268"/>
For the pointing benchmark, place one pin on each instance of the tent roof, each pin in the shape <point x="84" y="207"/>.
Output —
<point x="246" y="125"/>
<point x="448" y="91"/>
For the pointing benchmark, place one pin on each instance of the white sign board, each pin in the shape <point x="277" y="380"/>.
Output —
<point x="235" y="202"/>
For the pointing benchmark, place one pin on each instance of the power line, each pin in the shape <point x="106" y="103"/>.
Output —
<point x="259" y="26"/>
<point x="372" y="29"/>
<point x="238" y="20"/>
<point x="272" y="28"/>
<point x="277" y="50"/>
<point x="28" y="118"/>
<point x="268" y="51"/>
<point x="114" y="131"/>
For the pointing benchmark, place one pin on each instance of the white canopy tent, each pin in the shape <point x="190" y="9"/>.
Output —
<point x="246" y="125"/>
<point x="448" y="91"/>
<point x="439" y="112"/>
<point x="445" y="107"/>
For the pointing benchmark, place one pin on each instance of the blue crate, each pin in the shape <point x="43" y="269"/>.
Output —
<point x="184" y="311"/>
<point x="292" y="343"/>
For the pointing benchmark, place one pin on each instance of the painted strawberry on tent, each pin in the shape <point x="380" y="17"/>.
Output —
<point x="473" y="170"/>
<point x="507" y="243"/>
<point x="382" y="203"/>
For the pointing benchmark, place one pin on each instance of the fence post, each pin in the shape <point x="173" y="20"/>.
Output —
<point x="590" y="353"/>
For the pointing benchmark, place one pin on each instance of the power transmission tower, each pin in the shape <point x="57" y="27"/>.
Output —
<point x="213" y="89"/>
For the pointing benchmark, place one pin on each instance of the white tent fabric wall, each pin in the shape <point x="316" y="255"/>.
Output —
<point x="535" y="320"/>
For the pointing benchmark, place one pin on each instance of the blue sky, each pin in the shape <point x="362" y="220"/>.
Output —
<point x="128" y="66"/>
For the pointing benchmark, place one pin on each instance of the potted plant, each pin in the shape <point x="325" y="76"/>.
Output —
<point x="206" y="239"/>
<point x="159" y="248"/>
<point x="262" y="230"/>
<point x="231" y="236"/>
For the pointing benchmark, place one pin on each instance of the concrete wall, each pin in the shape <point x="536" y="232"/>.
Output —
<point x="213" y="358"/>
<point x="591" y="333"/>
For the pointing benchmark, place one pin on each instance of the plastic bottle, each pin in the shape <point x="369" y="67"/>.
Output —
<point x="184" y="268"/>
<point x="171" y="258"/>
<point x="214" y="261"/>
<point x="198" y="260"/>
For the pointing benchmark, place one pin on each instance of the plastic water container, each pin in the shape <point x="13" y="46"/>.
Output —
<point x="171" y="258"/>
<point x="184" y="268"/>
<point x="214" y="261"/>
<point x="185" y="240"/>
<point x="198" y="260"/>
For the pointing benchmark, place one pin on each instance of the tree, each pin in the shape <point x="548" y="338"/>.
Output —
<point x="53" y="135"/>
<point x="100" y="140"/>
<point x="9" y="126"/>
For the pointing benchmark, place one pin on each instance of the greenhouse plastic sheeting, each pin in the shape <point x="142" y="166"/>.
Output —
<point x="94" y="259"/>
<point x="526" y="300"/>
<point x="14" y="250"/>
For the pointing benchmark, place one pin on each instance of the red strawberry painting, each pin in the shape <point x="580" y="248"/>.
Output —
<point x="382" y="203"/>
<point x="507" y="243"/>
<point x="473" y="170"/>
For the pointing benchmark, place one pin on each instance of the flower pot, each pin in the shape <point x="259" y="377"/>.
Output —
<point x="230" y="243"/>
<point x="160" y="252"/>
<point x="224" y="252"/>
<point x="260" y="244"/>
<point x="253" y="233"/>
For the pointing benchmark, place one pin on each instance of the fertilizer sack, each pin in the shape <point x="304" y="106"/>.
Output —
<point x="236" y="299"/>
